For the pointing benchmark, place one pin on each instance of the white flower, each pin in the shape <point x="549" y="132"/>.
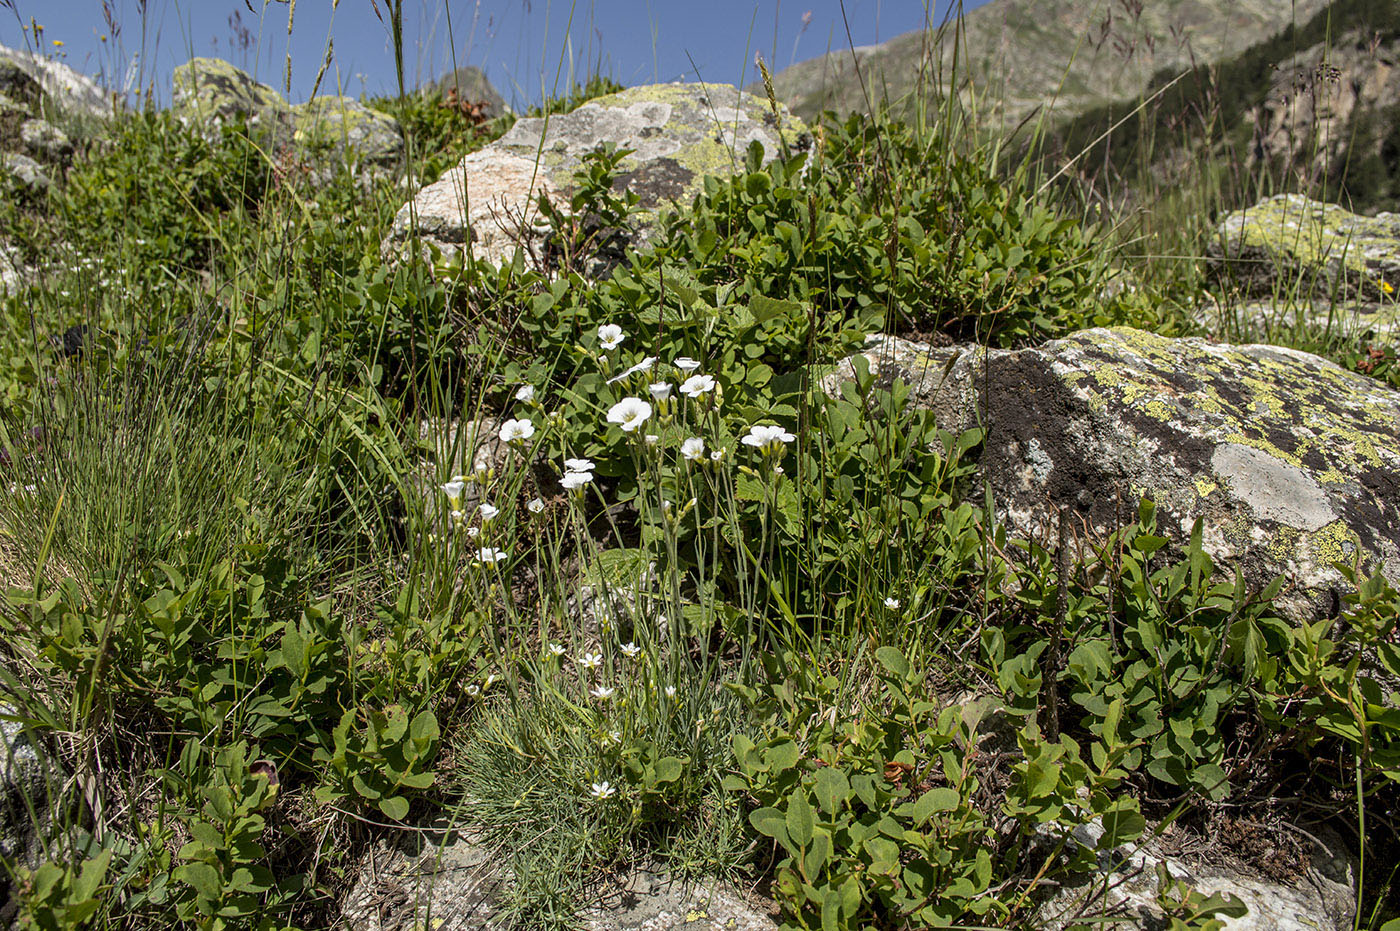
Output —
<point x="490" y="555"/>
<point x="516" y="431"/>
<point x="525" y="393"/>
<point x="629" y="413"/>
<point x="610" y="335"/>
<point x="716" y="455"/>
<point x="572" y="480"/>
<point x="653" y="438"/>
<point x="697" y="385"/>
<point x="891" y="602"/>
<point x="603" y="790"/>
<point x="693" y="448"/>
<point x="556" y="650"/>
<point x="488" y="512"/>
<point x="642" y="366"/>
<point x="473" y="532"/>
<point x="453" y="490"/>
<point x="631" y="650"/>
<point x="591" y="660"/>
<point x="686" y="364"/>
<point x="602" y="692"/>
<point x="457" y="516"/>
<point x="615" y="737"/>
<point x="670" y="691"/>
<point x="535" y="505"/>
<point x="473" y="690"/>
<point x="660" y="391"/>
<point x="578" y="465"/>
<point x="766" y="438"/>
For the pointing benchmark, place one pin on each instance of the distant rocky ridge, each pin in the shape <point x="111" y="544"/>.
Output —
<point x="1019" y="55"/>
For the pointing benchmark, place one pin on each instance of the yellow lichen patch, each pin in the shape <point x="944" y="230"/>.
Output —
<point x="1283" y="543"/>
<point x="1205" y="486"/>
<point x="1331" y="477"/>
<point x="1334" y="543"/>
<point x="1158" y="409"/>
<point x="1264" y="446"/>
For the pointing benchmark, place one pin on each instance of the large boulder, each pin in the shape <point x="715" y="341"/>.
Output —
<point x="1289" y="239"/>
<point x="454" y="886"/>
<point x="679" y="133"/>
<point x="324" y="132"/>
<point x="1292" y="463"/>
<point x="470" y="85"/>
<point x="65" y="92"/>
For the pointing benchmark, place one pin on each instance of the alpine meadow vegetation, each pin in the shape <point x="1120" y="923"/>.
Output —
<point x="267" y="602"/>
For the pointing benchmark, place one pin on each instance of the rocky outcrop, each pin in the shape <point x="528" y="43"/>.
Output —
<point x="326" y="132"/>
<point x="678" y="134"/>
<point x="1291" y="462"/>
<point x="454" y="887"/>
<point x="65" y="92"/>
<point x="1290" y="240"/>
<point x="470" y="85"/>
<point x="1124" y="893"/>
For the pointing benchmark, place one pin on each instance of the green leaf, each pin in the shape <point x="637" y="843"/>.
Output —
<point x="893" y="660"/>
<point x="770" y="823"/>
<point x="202" y="878"/>
<point x="395" y="807"/>
<point x="799" y="819"/>
<point x="935" y="800"/>
<point x="668" y="769"/>
<point x="831" y="789"/>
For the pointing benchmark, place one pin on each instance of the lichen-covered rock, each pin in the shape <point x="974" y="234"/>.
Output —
<point x="212" y="92"/>
<point x="324" y="131"/>
<point x="1359" y="322"/>
<point x="18" y="87"/>
<point x="23" y="795"/>
<point x="45" y="141"/>
<point x="343" y="125"/>
<point x="1123" y="894"/>
<point x="65" y="91"/>
<point x="1288" y="238"/>
<point x="679" y="133"/>
<point x="25" y="173"/>
<point x="1291" y="462"/>
<point x="471" y="85"/>
<point x="454" y="887"/>
<point x="11" y="270"/>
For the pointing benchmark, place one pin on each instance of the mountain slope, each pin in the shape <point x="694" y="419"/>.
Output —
<point x="1016" y="55"/>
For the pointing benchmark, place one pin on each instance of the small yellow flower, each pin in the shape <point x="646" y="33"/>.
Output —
<point x="1387" y="287"/>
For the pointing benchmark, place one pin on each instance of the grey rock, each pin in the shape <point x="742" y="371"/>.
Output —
<point x="65" y="91"/>
<point x="1291" y="462"/>
<point x="26" y="173"/>
<point x="18" y="87"/>
<point x="453" y="886"/>
<point x="679" y="134"/>
<point x="471" y="85"/>
<point x="1356" y="321"/>
<point x="324" y="132"/>
<point x="1124" y="890"/>
<point x="12" y="270"/>
<point x="45" y="141"/>
<point x="1288" y="240"/>
<point x="24" y="805"/>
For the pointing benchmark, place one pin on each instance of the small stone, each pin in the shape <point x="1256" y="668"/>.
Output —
<point x="45" y="141"/>
<point x="25" y="172"/>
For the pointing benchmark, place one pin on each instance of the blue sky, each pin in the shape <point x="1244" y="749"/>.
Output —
<point x="524" y="45"/>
